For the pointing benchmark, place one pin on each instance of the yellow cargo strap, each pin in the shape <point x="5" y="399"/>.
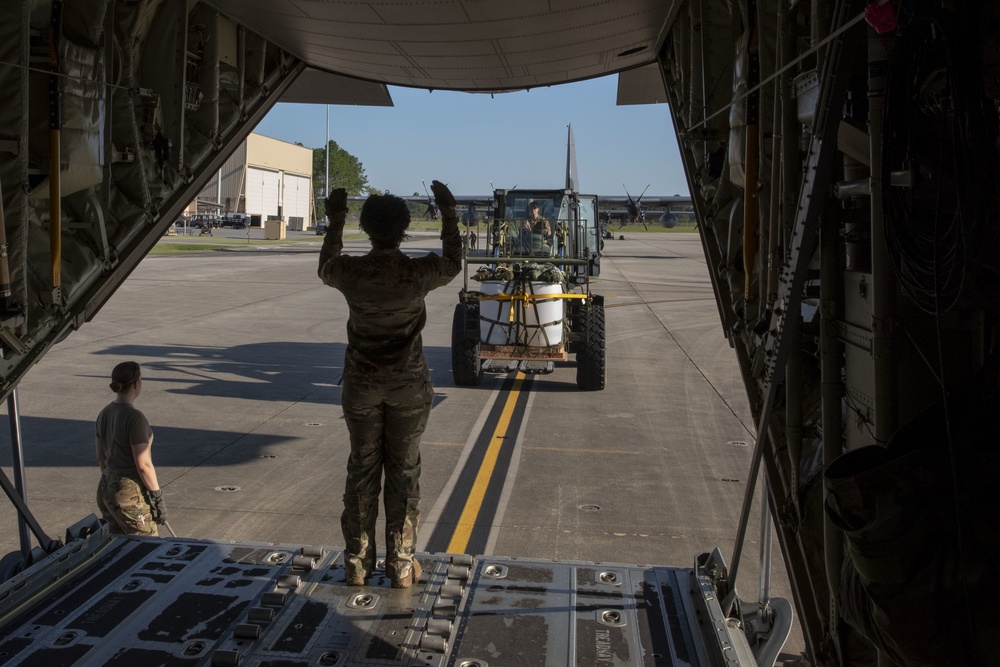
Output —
<point x="526" y="298"/>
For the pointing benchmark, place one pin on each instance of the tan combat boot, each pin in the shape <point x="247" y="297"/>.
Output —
<point x="403" y="575"/>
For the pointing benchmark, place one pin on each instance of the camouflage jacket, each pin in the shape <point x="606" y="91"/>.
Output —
<point x="385" y="291"/>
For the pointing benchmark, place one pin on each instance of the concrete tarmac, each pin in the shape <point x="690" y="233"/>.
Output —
<point x="242" y="354"/>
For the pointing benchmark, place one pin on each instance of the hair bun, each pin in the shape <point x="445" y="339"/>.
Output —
<point x="124" y="376"/>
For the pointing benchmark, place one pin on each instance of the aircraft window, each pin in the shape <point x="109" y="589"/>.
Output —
<point x="588" y="217"/>
<point x="517" y="206"/>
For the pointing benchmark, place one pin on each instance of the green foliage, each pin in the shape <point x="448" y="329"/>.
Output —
<point x="346" y="171"/>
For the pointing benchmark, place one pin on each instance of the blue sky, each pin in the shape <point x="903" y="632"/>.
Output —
<point x="512" y="139"/>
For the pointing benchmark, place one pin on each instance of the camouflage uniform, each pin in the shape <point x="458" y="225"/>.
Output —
<point x="123" y="505"/>
<point x="387" y="391"/>
<point x="121" y="495"/>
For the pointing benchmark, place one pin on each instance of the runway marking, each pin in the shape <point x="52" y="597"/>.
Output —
<point x="510" y="476"/>
<point x="467" y="520"/>
<point x="465" y="516"/>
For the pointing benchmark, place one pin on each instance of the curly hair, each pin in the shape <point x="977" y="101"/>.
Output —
<point x="124" y="376"/>
<point x="385" y="219"/>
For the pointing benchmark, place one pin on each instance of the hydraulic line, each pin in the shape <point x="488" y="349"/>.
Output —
<point x="5" y="291"/>
<point x="791" y="167"/>
<point x="774" y="221"/>
<point x="17" y="470"/>
<point x="883" y="281"/>
<point x="751" y="209"/>
<point x="831" y="392"/>
<point x="55" y="158"/>
<point x="793" y="370"/>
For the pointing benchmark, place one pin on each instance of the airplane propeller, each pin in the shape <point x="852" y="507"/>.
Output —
<point x="432" y="210"/>
<point x="635" y="212"/>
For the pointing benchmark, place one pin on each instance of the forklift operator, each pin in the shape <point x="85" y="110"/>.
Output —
<point x="540" y="227"/>
<point x="387" y="392"/>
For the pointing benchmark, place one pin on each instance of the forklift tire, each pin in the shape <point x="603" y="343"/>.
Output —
<point x="590" y="355"/>
<point x="466" y="367"/>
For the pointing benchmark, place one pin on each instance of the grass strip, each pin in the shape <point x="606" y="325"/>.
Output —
<point x="168" y="247"/>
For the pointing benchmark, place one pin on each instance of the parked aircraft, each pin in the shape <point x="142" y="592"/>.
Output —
<point x="663" y="207"/>
<point x="432" y="209"/>
<point x="479" y="202"/>
<point x="636" y="213"/>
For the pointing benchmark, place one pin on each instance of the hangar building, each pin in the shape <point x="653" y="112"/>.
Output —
<point x="265" y="178"/>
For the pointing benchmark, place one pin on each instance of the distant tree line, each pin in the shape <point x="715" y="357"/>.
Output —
<point x="346" y="171"/>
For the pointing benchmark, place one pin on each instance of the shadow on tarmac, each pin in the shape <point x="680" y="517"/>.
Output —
<point x="293" y="372"/>
<point x="64" y="443"/>
<point x="271" y="371"/>
<point x="275" y="370"/>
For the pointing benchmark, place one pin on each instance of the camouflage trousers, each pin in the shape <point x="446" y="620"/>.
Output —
<point x="385" y="422"/>
<point x="123" y="505"/>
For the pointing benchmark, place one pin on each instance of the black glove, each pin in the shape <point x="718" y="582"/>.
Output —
<point x="443" y="198"/>
<point x="157" y="507"/>
<point x="336" y="202"/>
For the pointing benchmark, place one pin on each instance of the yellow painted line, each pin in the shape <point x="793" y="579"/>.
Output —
<point x="466" y="522"/>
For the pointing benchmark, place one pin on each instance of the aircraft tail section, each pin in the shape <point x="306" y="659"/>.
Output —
<point x="572" y="181"/>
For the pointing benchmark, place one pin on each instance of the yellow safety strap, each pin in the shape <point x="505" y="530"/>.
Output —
<point x="525" y="298"/>
<point x="529" y="297"/>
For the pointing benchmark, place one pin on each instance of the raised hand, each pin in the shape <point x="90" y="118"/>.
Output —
<point x="336" y="202"/>
<point x="442" y="195"/>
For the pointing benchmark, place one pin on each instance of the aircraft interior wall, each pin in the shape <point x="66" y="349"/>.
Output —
<point x="144" y="101"/>
<point x="846" y="186"/>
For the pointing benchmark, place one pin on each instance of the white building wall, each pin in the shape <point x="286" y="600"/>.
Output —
<point x="265" y="177"/>
<point x="297" y="195"/>
<point x="263" y="191"/>
<point x="289" y="185"/>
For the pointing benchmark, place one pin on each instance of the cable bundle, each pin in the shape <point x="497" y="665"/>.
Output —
<point x="938" y="128"/>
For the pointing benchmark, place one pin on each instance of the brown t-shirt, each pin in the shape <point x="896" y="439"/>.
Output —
<point x="120" y="426"/>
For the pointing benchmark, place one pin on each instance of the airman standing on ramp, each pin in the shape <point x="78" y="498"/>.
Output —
<point x="387" y="392"/>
